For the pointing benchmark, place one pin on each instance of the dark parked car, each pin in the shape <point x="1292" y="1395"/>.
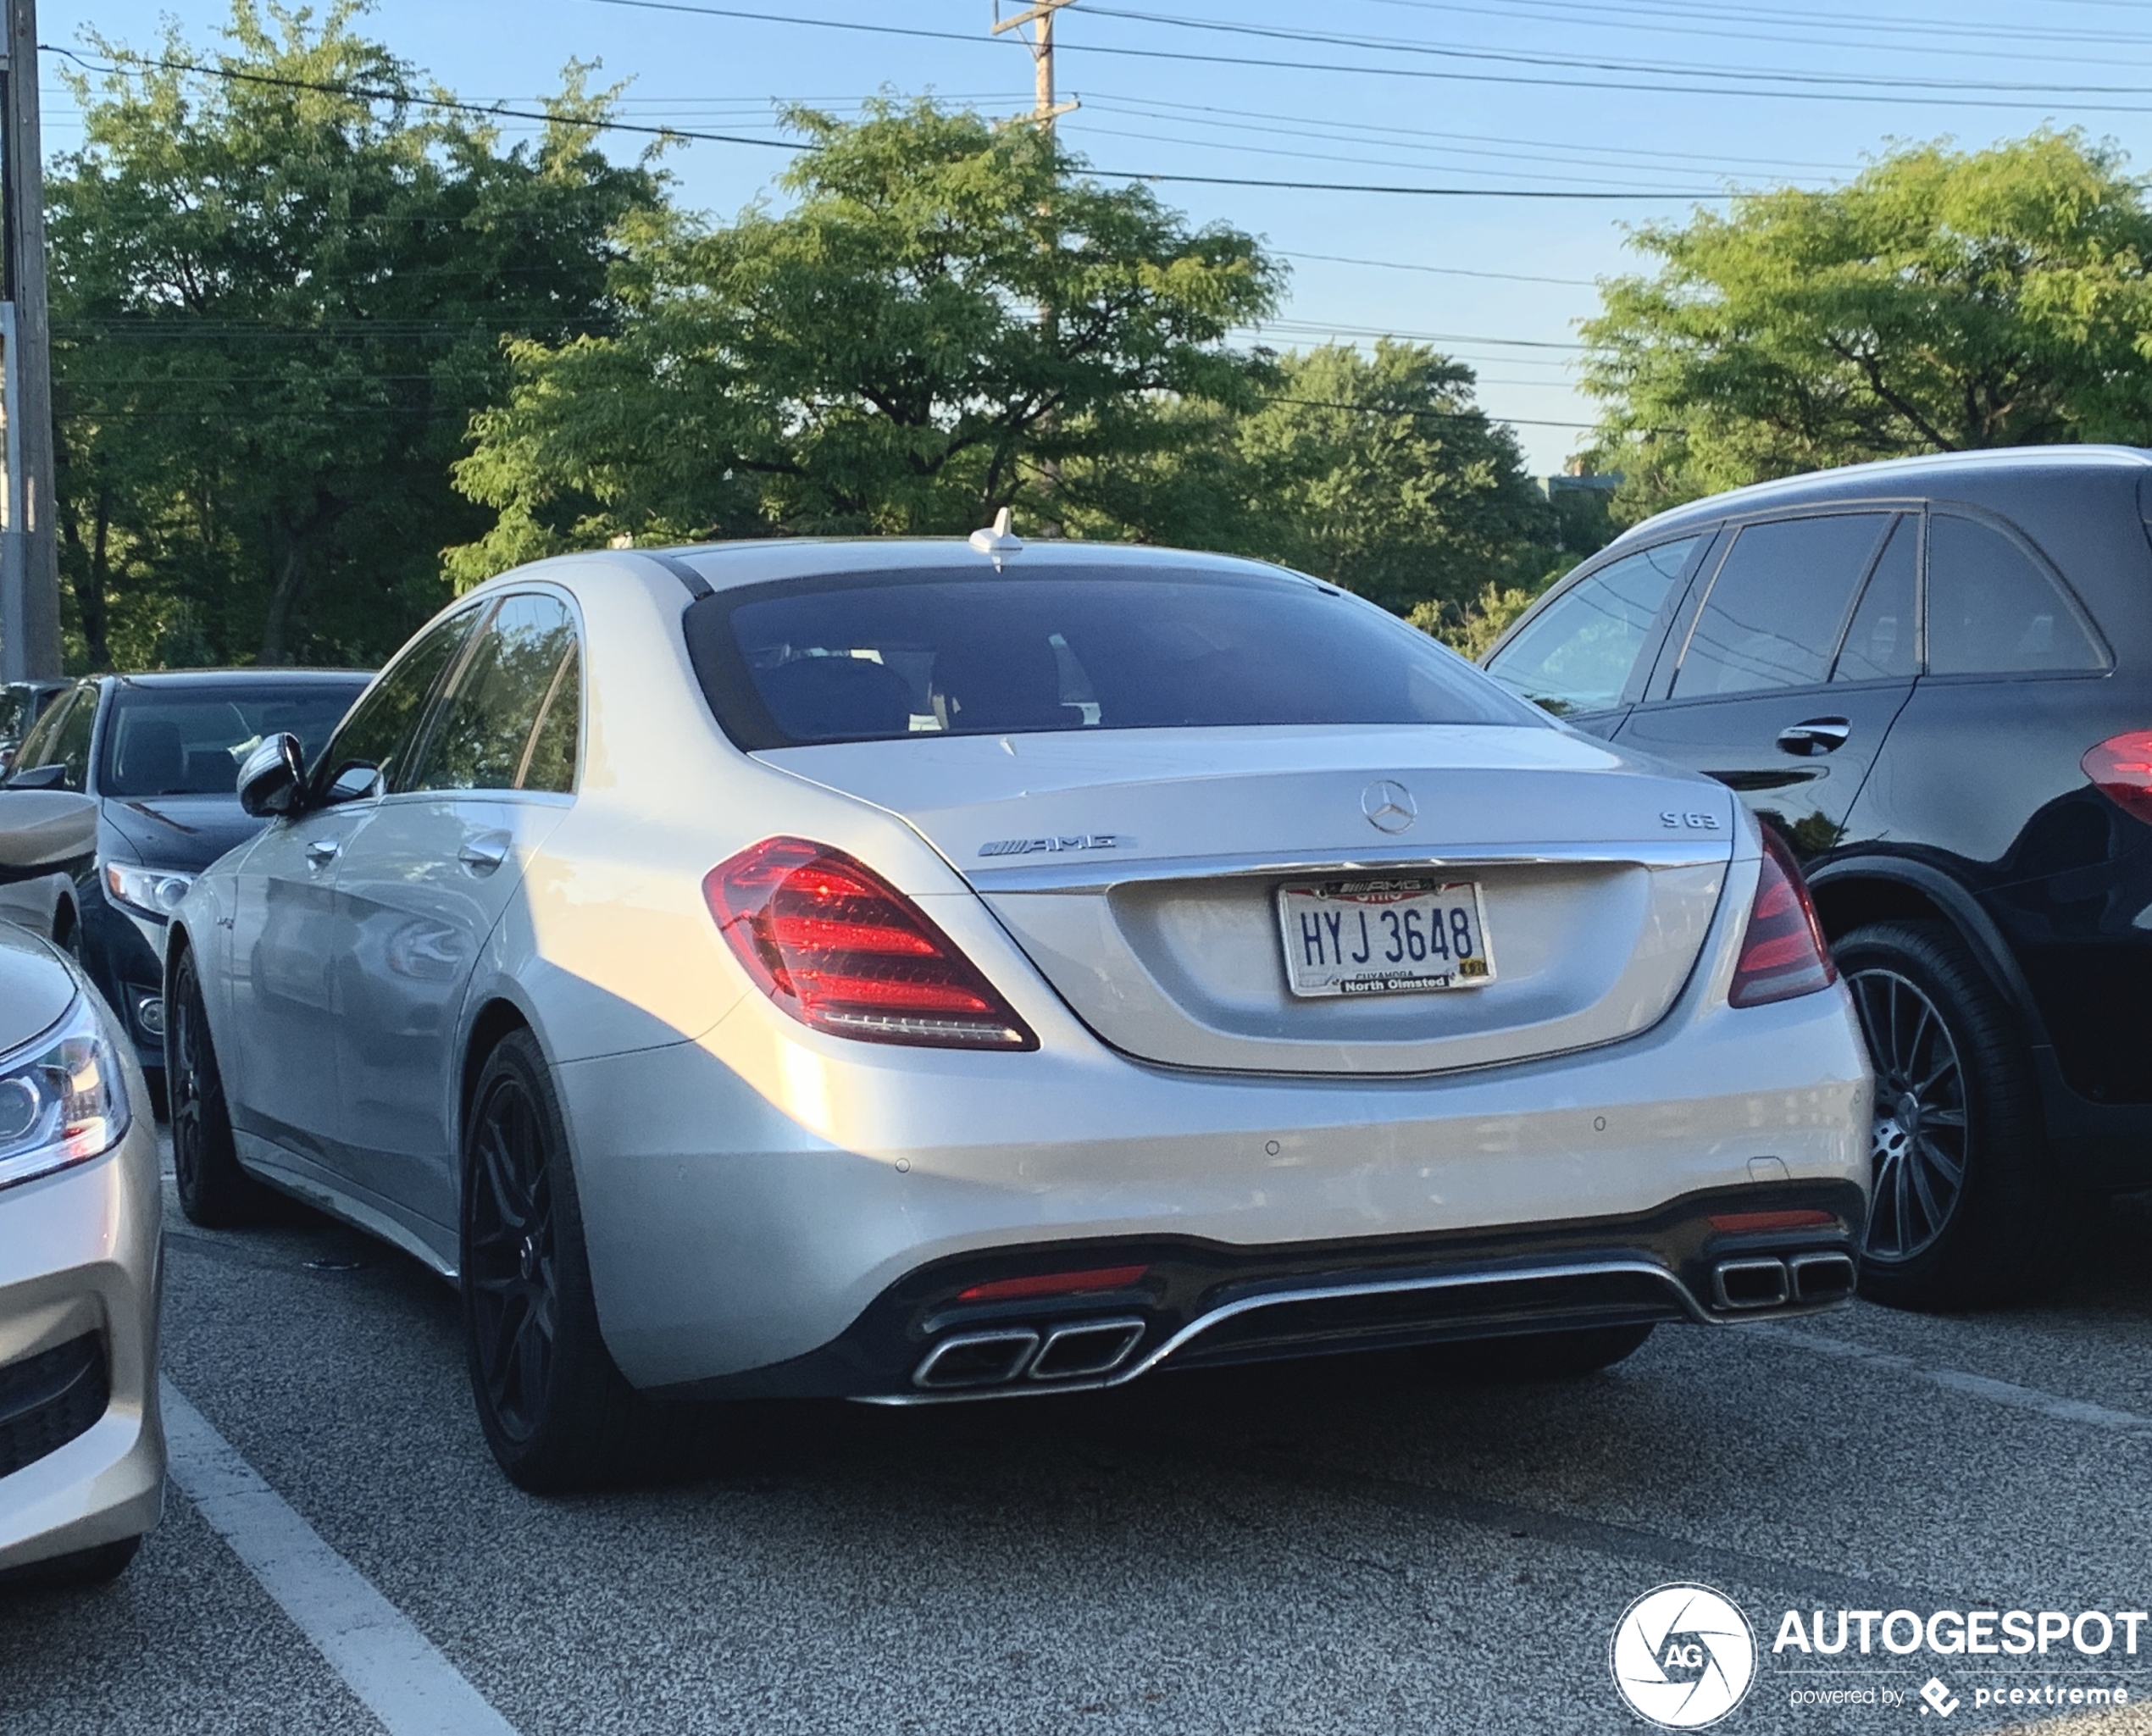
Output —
<point x="123" y="791"/>
<point x="20" y="702"/>
<point x="1933" y="677"/>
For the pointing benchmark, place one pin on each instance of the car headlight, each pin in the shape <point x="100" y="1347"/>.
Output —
<point x="152" y="892"/>
<point x="62" y="1098"/>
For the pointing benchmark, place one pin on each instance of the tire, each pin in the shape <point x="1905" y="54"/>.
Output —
<point x="555" y="1410"/>
<point x="1966" y="1210"/>
<point x="79" y="1572"/>
<point x="1538" y="1355"/>
<point x="215" y="1191"/>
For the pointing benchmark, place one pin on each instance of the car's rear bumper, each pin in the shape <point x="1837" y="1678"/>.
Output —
<point x="735" y="1228"/>
<point x="1175" y="1303"/>
<point x="81" y="1447"/>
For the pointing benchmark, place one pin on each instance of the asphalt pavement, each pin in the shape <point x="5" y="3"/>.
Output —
<point x="1361" y="1545"/>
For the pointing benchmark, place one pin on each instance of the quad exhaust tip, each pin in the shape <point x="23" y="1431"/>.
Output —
<point x="1082" y="1350"/>
<point x="1741" y="1284"/>
<point x="1822" y="1277"/>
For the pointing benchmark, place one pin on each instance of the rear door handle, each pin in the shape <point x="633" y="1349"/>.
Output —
<point x="483" y="854"/>
<point x="321" y="852"/>
<point x="1815" y="736"/>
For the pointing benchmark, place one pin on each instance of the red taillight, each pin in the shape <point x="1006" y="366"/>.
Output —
<point x="2122" y="766"/>
<point x="843" y="952"/>
<point x="1782" y="955"/>
<point x="1053" y="1284"/>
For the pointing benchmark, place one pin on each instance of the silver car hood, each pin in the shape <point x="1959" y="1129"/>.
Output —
<point x="35" y="987"/>
<point x="1139" y="869"/>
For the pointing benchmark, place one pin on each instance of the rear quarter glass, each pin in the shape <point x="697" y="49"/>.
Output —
<point x="886" y="657"/>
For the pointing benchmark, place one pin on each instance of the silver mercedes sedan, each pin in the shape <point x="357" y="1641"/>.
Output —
<point x="81" y="1449"/>
<point x="927" y="971"/>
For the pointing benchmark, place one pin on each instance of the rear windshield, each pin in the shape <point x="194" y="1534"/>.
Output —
<point x="189" y="741"/>
<point x="879" y="657"/>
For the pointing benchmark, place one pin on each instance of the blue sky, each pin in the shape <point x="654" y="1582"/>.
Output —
<point x="1657" y="97"/>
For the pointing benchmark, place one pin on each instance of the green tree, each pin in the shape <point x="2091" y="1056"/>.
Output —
<point x="1378" y="472"/>
<point x="1940" y="300"/>
<point x="279" y="290"/>
<point x="945" y="310"/>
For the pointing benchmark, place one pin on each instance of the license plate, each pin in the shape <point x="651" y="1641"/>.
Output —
<point x="1384" y="937"/>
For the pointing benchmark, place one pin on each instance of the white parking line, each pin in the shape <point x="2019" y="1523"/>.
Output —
<point x="403" y="1680"/>
<point x="1977" y="1386"/>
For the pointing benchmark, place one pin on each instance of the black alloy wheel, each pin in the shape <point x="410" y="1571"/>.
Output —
<point x="511" y="1270"/>
<point x="1920" y="1129"/>
<point x="215" y="1191"/>
<point x="1966" y="1208"/>
<point x="554" y="1408"/>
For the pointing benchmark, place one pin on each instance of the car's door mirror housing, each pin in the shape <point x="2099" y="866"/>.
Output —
<point x="51" y="777"/>
<point x="272" y="777"/>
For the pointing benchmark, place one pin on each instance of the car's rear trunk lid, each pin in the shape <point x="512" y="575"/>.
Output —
<point x="1140" y="871"/>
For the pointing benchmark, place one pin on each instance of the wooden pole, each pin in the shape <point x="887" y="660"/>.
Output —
<point x="29" y="577"/>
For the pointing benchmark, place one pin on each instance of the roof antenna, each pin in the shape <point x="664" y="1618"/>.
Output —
<point x="998" y="542"/>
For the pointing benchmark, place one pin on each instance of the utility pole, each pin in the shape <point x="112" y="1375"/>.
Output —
<point x="1044" y="111"/>
<point x="30" y="573"/>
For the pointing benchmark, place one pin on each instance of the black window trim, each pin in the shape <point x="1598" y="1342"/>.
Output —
<point x="1662" y="619"/>
<point x="1660" y="690"/>
<point x="445" y="691"/>
<point x="2053" y="574"/>
<point x="321" y="775"/>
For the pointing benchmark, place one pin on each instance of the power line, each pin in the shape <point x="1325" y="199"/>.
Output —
<point x="1665" y="85"/>
<point x="1303" y="327"/>
<point x="1509" y="57"/>
<point x="1471" y="144"/>
<point x="363" y="94"/>
<point x="1634" y="17"/>
<point x="1242" y="148"/>
<point x="1438" y="270"/>
<point x="1423" y="193"/>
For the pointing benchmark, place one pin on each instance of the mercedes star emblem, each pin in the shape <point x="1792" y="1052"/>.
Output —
<point x="1388" y="806"/>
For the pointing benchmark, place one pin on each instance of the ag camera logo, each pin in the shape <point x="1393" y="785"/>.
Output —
<point x="1683" y="1656"/>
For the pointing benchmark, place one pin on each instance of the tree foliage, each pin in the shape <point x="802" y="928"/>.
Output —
<point x="1941" y="301"/>
<point x="945" y="312"/>
<point x="276" y="307"/>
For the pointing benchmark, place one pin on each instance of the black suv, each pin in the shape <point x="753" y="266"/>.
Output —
<point x="1934" y="679"/>
<point x="127" y="787"/>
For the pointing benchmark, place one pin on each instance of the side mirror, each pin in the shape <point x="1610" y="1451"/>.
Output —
<point x="270" y="777"/>
<point x="54" y="777"/>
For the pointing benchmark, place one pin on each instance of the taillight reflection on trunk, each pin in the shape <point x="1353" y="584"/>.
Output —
<point x="1782" y="955"/>
<point x="843" y="952"/>
<point x="2122" y="766"/>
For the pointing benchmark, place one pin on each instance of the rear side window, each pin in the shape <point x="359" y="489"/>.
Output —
<point x="1879" y="643"/>
<point x="190" y="740"/>
<point x="508" y="704"/>
<point x="1577" y="653"/>
<point x="1992" y="610"/>
<point x="892" y="656"/>
<point x="61" y="737"/>
<point x="1776" y="608"/>
<point x="376" y="736"/>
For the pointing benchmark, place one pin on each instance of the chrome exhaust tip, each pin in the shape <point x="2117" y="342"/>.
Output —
<point x="1088" y="1348"/>
<point x="1752" y="1283"/>
<point x="976" y="1359"/>
<point x="1822" y="1277"/>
